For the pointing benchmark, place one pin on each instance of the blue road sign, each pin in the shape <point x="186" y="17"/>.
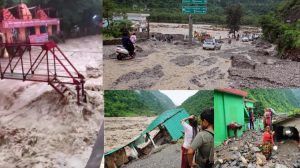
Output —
<point x="194" y="9"/>
<point x="198" y="2"/>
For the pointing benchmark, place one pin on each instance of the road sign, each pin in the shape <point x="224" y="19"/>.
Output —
<point x="198" y="2"/>
<point x="194" y="9"/>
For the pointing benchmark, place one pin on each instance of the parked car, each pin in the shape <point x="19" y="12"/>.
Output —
<point x="212" y="44"/>
<point x="245" y="39"/>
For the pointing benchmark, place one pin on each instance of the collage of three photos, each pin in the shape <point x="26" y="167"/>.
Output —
<point x="149" y="83"/>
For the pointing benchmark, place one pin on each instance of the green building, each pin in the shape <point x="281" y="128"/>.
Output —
<point x="229" y="106"/>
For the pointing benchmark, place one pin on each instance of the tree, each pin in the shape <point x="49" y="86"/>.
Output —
<point x="108" y="9"/>
<point x="259" y="109"/>
<point x="234" y="15"/>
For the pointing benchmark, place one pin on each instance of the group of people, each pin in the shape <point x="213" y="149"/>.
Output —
<point x="268" y="136"/>
<point x="197" y="148"/>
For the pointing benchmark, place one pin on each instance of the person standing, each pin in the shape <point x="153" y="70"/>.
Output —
<point x="268" y="142"/>
<point x="190" y="131"/>
<point x="202" y="146"/>
<point x="267" y="118"/>
<point x="251" y="118"/>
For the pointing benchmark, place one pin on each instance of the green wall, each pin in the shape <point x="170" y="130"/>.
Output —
<point x="228" y="108"/>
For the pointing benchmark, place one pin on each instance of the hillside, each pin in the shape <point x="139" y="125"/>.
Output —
<point x="123" y="103"/>
<point x="282" y="27"/>
<point x="281" y="100"/>
<point x="199" y="102"/>
<point x="170" y="10"/>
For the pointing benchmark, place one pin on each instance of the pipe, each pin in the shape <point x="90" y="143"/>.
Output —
<point x="4" y="41"/>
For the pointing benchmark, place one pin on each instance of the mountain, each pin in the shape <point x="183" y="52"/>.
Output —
<point x="281" y="100"/>
<point x="198" y="102"/>
<point x="170" y="10"/>
<point x="122" y="103"/>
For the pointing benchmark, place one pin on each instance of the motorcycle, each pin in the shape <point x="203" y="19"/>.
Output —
<point x="122" y="53"/>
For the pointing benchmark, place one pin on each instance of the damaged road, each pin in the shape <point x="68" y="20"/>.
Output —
<point x="240" y="64"/>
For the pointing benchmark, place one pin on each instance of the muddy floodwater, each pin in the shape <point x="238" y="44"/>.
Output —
<point x="120" y="131"/>
<point x="163" y="65"/>
<point x="40" y="129"/>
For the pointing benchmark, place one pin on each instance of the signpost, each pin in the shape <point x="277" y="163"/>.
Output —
<point x="193" y="7"/>
<point x="198" y="2"/>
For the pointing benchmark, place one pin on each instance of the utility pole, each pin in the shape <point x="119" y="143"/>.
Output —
<point x="190" y="30"/>
<point x="193" y="7"/>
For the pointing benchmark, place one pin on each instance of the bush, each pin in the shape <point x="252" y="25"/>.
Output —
<point x="116" y="28"/>
<point x="287" y="36"/>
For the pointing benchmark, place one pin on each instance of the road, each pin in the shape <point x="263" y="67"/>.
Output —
<point x="162" y="65"/>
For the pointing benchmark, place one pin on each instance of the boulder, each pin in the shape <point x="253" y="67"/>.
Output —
<point x="260" y="159"/>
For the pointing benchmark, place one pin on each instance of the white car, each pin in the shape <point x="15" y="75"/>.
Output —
<point x="245" y="39"/>
<point x="211" y="44"/>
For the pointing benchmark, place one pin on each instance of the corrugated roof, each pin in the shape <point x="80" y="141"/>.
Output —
<point x="162" y="118"/>
<point x="234" y="91"/>
<point x="170" y="119"/>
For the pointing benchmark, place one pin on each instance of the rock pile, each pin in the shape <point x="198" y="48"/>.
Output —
<point x="245" y="152"/>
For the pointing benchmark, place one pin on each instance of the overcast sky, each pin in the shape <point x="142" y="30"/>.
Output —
<point x="179" y="96"/>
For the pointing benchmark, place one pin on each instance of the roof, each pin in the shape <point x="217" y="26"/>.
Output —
<point x="234" y="91"/>
<point x="170" y="119"/>
<point x="138" y="14"/>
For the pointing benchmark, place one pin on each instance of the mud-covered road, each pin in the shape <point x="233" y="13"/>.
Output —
<point x="162" y="65"/>
<point x="168" y="155"/>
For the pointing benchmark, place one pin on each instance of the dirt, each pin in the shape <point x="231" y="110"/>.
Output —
<point x="38" y="128"/>
<point x="121" y="130"/>
<point x="183" y="60"/>
<point x="165" y="156"/>
<point x="178" y="64"/>
<point x="241" y="64"/>
<point x="145" y="79"/>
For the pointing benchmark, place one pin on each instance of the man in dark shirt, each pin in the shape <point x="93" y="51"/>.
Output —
<point x="203" y="144"/>
<point x="127" y="44"/>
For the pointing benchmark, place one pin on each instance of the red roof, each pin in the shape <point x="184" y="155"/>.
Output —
<point x="234" y="91"/>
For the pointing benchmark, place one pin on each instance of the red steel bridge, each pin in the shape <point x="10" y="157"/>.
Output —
<point x="42" y="62"/>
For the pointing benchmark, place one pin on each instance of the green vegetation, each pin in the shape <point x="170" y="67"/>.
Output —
<point x="170" y="10"/>
<point x="199" y="102"/>
<point x="234" y="15"/>
<point x="126" y="103"/>
<point x="71" y="12"/>
<point x="116" y="28"/>
<point x="281" y="100"/>
<point x="282" y="27"/>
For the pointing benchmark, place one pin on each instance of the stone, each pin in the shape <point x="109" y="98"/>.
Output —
<point x="260" y="159"/>
<point x="255" y="149"/>
<point x="243" y="160"/>
<point x="220" y="161"/>
<point x="280" y="166"/>
<point x="243" y="62"/>
<point x="234" y="148"/>
<point x="270" y="62"/>
<point x="234" y="163"/>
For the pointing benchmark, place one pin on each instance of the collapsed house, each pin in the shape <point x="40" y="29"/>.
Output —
<point x="167" y="128"/>
<point x="231" y="106"/>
